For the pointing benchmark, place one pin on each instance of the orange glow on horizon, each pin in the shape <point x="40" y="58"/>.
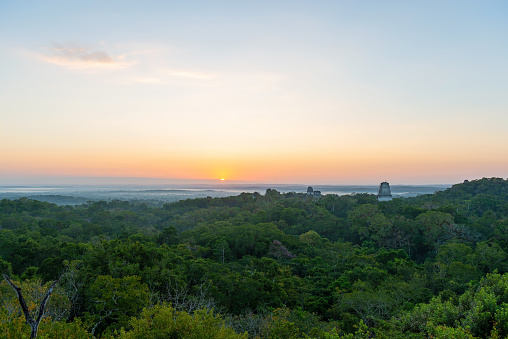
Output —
<point x="326" y="165"/>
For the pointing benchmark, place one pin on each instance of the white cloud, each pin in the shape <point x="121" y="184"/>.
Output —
<point x="80" y="58"/>
<point x="141" y="64"/>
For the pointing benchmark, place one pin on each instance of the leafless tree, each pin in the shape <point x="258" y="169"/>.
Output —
<point x="34" y="324"/>
<point x="180" y="296"/>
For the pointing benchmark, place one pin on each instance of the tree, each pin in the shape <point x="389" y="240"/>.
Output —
<point x="433" y="227"/>
<point x="115" y="300"/>
<point x="163" y="321"/>
<point x="371" y="223"/>
<point x="34" y="323"/>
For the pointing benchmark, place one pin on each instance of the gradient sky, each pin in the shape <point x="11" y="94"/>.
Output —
<point x="337" y="92"/>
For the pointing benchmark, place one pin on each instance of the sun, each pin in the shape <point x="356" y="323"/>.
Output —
<point x="222" y="179"/>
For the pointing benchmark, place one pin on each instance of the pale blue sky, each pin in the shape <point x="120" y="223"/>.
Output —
<point x="246" y="90"/>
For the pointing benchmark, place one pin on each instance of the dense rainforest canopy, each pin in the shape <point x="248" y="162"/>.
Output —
<point x="268" y="266"/>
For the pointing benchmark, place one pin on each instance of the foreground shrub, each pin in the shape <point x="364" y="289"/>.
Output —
<point x="163" y="321"/>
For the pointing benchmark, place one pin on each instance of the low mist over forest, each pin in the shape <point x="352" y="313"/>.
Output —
<point x="158" y="193"/>
<point x="272" y="265"/>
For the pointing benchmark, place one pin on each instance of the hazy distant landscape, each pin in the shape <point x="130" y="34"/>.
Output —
<point x="160" y="194"/>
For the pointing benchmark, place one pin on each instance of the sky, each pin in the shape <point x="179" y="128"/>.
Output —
<point x="319" y="92"/>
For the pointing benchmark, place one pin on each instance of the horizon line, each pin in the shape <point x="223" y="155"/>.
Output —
<point x="100" y="180"/>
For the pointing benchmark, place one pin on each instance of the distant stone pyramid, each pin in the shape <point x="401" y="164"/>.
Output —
<point x="312" y="193"/>
<point x="384" y="194"/>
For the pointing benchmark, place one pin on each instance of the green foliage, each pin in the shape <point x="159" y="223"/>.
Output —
<point x="115" y="300"/>
<point x="480" y="312"/>
<point x="445" y="332"/>
<point x="362" y="332"/>
<point x="279" y="264"/>
<point x="57" y="308"/>
<point x="15" y="327"/>
<point x="63" y="330"/>
<point x="5" y="267"/>
<point x="163" y="321"/>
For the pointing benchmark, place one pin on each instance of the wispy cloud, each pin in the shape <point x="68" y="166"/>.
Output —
<point x="81" y="58"/>
<point x="141" y="64"/>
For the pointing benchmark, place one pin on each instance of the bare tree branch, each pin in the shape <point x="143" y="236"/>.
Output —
<point x="22" y="302"/>
<point x="34" y="324"/>
<point x="45" y="300"/>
